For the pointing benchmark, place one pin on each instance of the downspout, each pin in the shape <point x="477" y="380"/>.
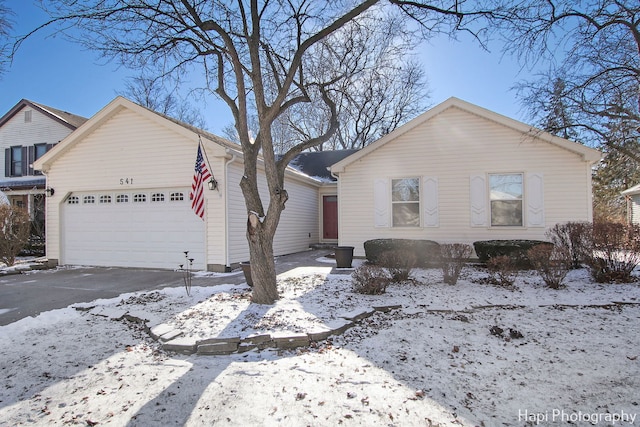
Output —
<point x="226" y="211"/>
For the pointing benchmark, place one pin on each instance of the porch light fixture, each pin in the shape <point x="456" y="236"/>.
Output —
<point x="49" y="191"/>
<point x="213" y="184"/>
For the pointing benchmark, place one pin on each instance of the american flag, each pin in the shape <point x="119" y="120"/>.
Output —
<point x="200" y="177"/>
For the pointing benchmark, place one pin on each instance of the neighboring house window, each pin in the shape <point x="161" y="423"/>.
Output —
<point x="122" y="198"/>
<point x="405" y="202"/>
<point x="73" y="200"/>
<point x="157" y="197"/>
<point x="176" y="197"/>
<point x="39" y="150"/>
<point x="105" y="199"/>
<point x="15" y="161"/>
<point x="27" y="116"/>
<point x="89" y="199"/>
<point x="505" y="196"/>
<point x="139" y="198"/>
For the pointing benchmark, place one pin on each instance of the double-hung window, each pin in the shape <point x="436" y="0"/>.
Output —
<point x="506" y="197"/>
<point x="16" y="161"/>
<point x="405" y="202"/>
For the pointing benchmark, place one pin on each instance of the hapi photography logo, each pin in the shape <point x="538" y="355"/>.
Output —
<point x="562" y="416"/>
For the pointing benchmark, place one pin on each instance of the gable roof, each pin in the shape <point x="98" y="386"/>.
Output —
<point x="72" y="121"/>
<point x="588" y="154"/>
<point x="632" y="191"/>
<point x="316" y="164"/>
<point x="118" y="104"/>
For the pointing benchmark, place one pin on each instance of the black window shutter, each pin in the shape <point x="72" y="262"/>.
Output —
<point x="25" y="161"/>
<point x="7" y="162"/>
<point x="31" y="158"/>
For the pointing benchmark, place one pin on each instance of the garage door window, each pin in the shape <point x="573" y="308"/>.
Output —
<point x="157" y="197"/>
<point x="105" y="199"/>
<point x="89" y="199"/>
<point x="122" y="198"/>
<point x="139" y="198"/>
<point x="176" y="197"/>
<point x="73" y="200"/>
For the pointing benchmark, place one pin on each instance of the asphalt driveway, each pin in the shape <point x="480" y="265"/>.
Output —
<point x="30" y="294"/>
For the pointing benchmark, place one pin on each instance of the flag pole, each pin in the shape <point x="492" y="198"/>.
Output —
<point x="205" y="155"/>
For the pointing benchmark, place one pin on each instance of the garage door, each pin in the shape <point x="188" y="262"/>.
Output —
<point x="142" y="228"/>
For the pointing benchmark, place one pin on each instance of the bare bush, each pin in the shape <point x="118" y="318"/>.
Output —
<point x="503" y="271"/>
<point x="15" y="227"/>
<point x="613" y="252"/>
<point x="399" y="264"/>
<point x="573" y="237"/>
<point x="370" y="280"/>
<point x="551" y="262"/>
<point x="453" y="256"/>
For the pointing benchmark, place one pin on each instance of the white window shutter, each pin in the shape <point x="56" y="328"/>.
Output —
<point x="534" y="200"/>
<point x="430" y="201"/>
<point x="478" y="200"/>
<point x="381" y="194"/>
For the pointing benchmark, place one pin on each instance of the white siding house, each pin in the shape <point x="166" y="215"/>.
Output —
<point x="27" y="131"/>
<point x="633" y="204"/>
<point x="459" y="173"/>
<point x="121" y="196"/>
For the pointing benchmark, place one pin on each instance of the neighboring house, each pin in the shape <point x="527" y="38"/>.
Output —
<point x="27" y="132"/>
<point x="632" y="195"/>
<point x="460" y="173"/>
<point x="121" y="186"/>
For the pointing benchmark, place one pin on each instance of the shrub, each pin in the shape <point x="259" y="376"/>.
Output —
<point x="551" y="262"/>
<point x="514" y="249"/>
<point x="426" y="252"/>
<point x="573" y="237"/>
<point x="503" y="271"/>
<point x="452" y="258"/>
<point x="398" y="263"/>
<point x="613" y="251"/>
<point x="15" y="227"/>
<point x="370" y="280"/>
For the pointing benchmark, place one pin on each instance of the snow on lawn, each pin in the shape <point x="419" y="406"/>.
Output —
<point x="470" y="354"/>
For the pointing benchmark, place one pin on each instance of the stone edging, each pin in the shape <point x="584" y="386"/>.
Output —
<point x="171" y="339"/>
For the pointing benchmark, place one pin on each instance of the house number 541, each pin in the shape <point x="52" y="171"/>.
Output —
<point x="126" y="181"/>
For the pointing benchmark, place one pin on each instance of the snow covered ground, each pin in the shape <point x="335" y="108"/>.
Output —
<point x="472" y="354"/>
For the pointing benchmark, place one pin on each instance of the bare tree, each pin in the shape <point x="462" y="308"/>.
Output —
<point x="257" y="58"/>
<point x="152" y="93"/>
<point x="594" y="49"/>
<point x="383" y="87"/>
<point x="6" y="26"/>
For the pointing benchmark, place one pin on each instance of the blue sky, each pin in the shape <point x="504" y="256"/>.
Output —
<point x="63" y="75"/>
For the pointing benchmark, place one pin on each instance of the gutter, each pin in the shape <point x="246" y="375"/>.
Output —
<point x="226" y="208"/>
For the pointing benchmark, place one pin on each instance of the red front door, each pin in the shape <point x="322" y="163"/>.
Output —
<point x="330" y="217"/>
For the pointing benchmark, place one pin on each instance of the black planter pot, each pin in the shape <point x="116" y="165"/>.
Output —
<point x="246" y="269"/>
<point x="344" y="256"/>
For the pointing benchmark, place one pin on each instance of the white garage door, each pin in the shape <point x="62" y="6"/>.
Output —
<point x="141" y="228"/>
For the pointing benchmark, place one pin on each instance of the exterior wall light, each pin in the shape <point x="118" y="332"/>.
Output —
<point x="213" y="184"/>
<point x="49" y="191"/>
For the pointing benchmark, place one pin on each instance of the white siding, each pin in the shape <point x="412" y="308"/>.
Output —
<point x="635" y="209"/>
<point x="127" y="145"/>
<point x="299" y="222"/>
<point x="453" y="147"/>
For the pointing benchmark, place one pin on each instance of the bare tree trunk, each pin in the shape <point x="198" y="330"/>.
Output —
<point x="263" y="268"/>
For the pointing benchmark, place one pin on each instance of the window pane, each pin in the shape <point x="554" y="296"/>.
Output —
<point x="16" y="161"/>
<point x="505" y="187"/>
<point x="506" y="212"/>
<point x="405" y="190"/>
<point x="40" y="150"/>
<point x="406" y="215"/>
